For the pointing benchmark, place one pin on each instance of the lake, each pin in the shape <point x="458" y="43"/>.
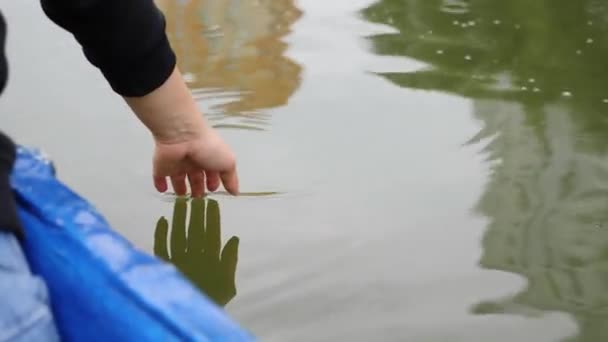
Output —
<point x="413" y="170"/>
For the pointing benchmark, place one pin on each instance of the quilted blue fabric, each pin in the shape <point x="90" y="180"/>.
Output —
<point x="102" y="288"/>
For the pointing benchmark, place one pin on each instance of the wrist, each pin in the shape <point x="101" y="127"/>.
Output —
<point x="169" y="112"/>
<point x="180" y="127"/>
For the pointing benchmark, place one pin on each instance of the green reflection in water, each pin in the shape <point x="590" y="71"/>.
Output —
<point x="537" y="73"/>
<point x="198" y="254"/>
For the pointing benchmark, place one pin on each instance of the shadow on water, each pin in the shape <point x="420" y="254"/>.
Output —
<point x="198" y="254"/>
<point x="232" y="54"/>
<point x="537" y="74"/>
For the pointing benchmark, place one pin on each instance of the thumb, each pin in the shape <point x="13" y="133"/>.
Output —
<point x="230" y="180"/>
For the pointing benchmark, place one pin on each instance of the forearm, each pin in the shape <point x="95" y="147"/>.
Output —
<point x="126" y="40"/>
<point x="169" y="112"/>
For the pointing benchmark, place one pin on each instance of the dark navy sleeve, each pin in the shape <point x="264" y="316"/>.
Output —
<point x="9" y="220"/>
<point x="125" y="39"/>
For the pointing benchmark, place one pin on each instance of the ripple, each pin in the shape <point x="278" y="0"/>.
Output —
<point x="454" y="6"/>
<point x="170" y="196"/>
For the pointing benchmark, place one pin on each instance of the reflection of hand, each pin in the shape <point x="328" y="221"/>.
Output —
<point x="198" y="255"/>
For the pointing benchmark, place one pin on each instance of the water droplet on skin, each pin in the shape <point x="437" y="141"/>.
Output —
<point x="468" y="57"/>
<point x="496" y="22"/>
<point x="188" y="77"/>
<point x="440" y="52"/>
<point x="566" y="94"/>
<point x="589" y="41"/>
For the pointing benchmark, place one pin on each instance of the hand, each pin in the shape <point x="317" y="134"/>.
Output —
<point x="197" y="255"/>
<point x="203" y="158"/>
<point x="186" y="147"/>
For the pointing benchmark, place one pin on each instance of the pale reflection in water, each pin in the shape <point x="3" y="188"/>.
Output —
<point x="233" y="55"/>
<point x="536" y="72"/>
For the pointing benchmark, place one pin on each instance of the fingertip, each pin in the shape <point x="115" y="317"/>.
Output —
<point x="179" y="184"/>
<point x="236" y="185"/>
<point x="197" y="184"/>
<point x="232" y="185"/>
<point x="235" y="241"/>
<point x="162" y="225"/>
<point x="160" y="183"/>
<point x="213" y="180"/>
<point x="234" y="190"/>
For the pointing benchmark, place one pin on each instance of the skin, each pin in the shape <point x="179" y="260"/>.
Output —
<point x="187" y="148"/>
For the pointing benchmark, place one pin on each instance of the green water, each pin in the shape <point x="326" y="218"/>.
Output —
<point x="416" y="170"/>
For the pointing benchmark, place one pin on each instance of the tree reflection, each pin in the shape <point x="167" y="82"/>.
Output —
<point x="538" y="77"/>
<point x="199" y="255"/>
<point x="233" y="53"/>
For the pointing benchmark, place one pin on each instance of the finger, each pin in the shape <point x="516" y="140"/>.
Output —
<point x="230" y="256"/>
<point x="179" y="184"/>
<point x="196" y="227"/>
<point x="178" y="230"/>
<point x="230" y="181"/>
<point x="213" y="180"/>
<point x="160" y="183"/>
<point x="213" y="239"/>
<point x="160" y="239"/>
<point x="197" y="184"/>
<point x="159" y="175"/>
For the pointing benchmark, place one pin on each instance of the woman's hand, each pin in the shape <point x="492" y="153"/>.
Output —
<point x="203" y="159"/>
<point x="185" y="145"/>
